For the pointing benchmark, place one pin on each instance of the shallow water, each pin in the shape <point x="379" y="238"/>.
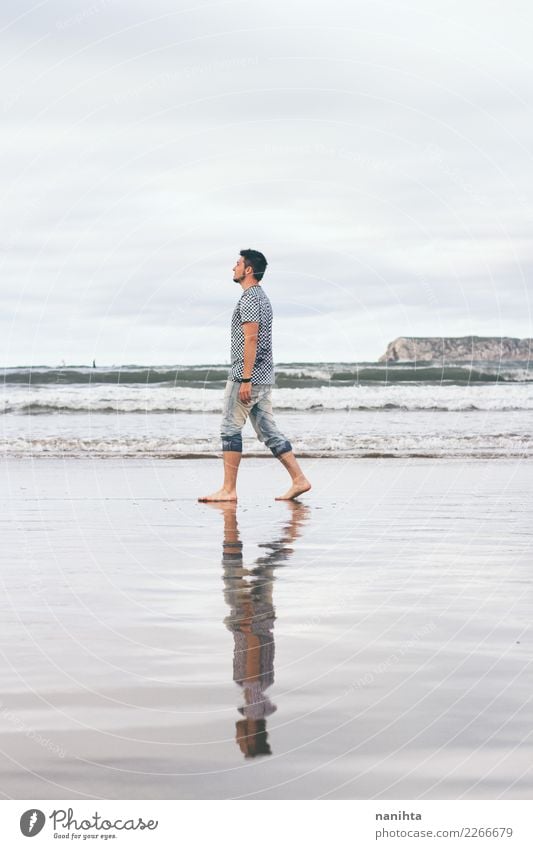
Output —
<point x="326" y="410"/>
<point x="349" y="433"/>
<point x="372" y="642"/>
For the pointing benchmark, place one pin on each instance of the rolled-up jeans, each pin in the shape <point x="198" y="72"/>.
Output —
<point x="259" y="409"/>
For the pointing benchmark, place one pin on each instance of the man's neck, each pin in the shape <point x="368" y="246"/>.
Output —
<point x="247" y="284"/>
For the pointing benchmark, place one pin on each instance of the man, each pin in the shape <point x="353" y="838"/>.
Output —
<point x="249" y="386"/>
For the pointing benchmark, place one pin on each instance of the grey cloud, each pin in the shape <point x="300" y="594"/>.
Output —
<point x="381" y="161"/>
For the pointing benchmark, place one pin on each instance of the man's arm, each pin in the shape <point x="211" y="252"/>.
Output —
<point x="250" y="330"/>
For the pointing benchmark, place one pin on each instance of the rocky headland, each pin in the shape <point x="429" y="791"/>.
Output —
<point x="458" y="349"/>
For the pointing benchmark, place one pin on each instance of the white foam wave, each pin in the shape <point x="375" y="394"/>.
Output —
<point x="156" y="399"/>
<point x="407" y="445"/>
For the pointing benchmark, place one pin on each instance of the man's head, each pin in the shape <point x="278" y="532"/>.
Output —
<point x="251" y="265"/>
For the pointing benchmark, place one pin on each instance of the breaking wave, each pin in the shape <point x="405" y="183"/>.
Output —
<point x="106" y="399"/>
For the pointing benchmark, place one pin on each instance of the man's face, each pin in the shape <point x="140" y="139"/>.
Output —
<point x="239" y="271"/>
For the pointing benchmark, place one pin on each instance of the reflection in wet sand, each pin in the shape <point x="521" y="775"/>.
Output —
<point x="248" y="593"/>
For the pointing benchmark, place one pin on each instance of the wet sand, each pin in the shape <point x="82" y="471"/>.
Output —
<point x="371" y="641"/>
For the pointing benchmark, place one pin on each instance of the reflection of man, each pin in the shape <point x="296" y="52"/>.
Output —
<point x="249" y="385"/>
<point x="248" y="593"/>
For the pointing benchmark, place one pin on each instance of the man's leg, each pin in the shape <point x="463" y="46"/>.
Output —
<point x="231" y="470"/>
<point x="228" y="490"/>
<point x="233" y="418"/>
<point x="300" y="483"/>
<point x="267" y="431"/>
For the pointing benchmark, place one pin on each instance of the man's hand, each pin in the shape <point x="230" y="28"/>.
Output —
<point x="245" y="393"/>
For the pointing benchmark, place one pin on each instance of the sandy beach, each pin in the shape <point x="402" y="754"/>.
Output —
<point x="372" y="641"/>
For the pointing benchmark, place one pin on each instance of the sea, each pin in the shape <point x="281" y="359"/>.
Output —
<point x="365" y="409"/>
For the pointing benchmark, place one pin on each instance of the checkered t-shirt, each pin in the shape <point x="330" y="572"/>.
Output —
<point x="253" y="305"/>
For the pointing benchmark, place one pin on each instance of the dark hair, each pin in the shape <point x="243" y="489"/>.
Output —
<point x="256" y="260"/>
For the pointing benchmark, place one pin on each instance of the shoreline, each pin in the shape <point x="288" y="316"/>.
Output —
<point x="262" y="456"/>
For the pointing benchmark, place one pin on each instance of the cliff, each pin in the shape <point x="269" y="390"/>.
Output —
<point x="458" y="349"/>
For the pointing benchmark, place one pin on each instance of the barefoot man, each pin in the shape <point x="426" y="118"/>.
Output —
<point x="250" y="381"/>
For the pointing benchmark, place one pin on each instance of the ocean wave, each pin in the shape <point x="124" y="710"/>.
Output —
<point x="340" y="446"/>
<point x="108" y="400"/>
<point x="287" y="374"/>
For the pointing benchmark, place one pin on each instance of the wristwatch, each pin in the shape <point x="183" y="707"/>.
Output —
<point x="246" y="379"/>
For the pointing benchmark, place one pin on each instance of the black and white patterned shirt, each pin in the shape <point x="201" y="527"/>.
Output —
<point x="253" y="305"/>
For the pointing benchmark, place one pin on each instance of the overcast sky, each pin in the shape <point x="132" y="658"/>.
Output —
<point x="378" y="153"/>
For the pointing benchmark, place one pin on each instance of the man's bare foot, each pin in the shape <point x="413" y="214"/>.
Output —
<point x="299" y="485"/>
<point x="221" y="495"/>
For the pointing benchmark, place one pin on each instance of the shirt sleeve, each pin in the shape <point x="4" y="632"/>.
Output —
<point x="249" y="309"/>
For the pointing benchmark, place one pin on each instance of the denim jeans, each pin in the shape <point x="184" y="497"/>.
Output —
<point x="259" y="408"/>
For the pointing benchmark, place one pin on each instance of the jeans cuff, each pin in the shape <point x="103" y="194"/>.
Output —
<point x="286" y="446"/>
<point x="232" y="443"/>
